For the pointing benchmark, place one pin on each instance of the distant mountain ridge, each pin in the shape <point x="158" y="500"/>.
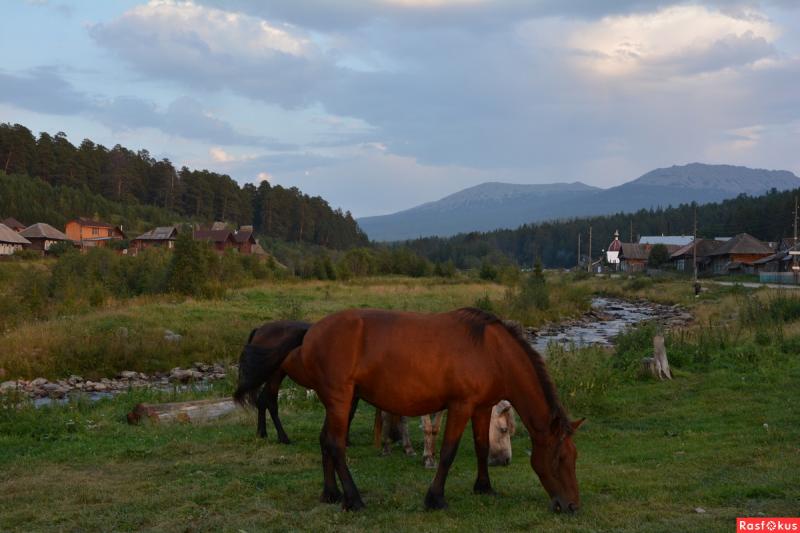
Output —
<point x="495" y="205"/>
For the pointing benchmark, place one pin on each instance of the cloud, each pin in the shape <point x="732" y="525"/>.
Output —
<point x="215" y="49"/>
<point x="683" y="39"/>
<point x="43" y="90"/>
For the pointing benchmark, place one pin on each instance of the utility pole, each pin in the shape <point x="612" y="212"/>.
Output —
<point x="589" y="268"/>
<point x="792" y="251"/>
<point x="694" y="247"/>
<point x="579" y="251"/>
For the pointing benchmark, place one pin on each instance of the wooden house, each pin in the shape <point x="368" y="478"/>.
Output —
<point x="245" y="241"/>
<point x="633" y="256"/>
<point x="43" y="236"/>
<point x="88" y="233"/>
<point x="684" y="256"/>
<point x="11" y="241"/>
<point x="739" y="254"/>
<point x="14" y="224"/>
<point x="161" y="237"/>
<point x="220" y="240"/>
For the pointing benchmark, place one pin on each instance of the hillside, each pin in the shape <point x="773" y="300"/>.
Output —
<point x="134" y="180"/>
<point x="768" y="217"/>
<point x="490" y="206"/>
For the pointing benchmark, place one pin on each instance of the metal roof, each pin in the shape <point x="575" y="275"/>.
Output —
<point x="40" y="230"/>
<point x="678" y="240"/>
<point x="8" y="235"/>
<point x="161" y="233"/>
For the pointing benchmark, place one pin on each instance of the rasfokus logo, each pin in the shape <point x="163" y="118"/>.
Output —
<point x="767" y="524"/>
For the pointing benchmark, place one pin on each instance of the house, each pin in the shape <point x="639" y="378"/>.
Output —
<point x="738" y="254"/>
<point x="162" y="237"/>
<point x="633" y="256"/>
<point x="14" y="224"/>
<point x="43" y="236"/>
<point x="684" y="256"/>
<point x="221" y="240"/>
<point x="88" y="233"/>
<point x="245" y="241"/>
<point x="11" y="241"/>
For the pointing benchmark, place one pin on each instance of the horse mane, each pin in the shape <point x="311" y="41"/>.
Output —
<point x="477" y="320"/>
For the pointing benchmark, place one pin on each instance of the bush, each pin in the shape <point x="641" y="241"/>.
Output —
<point x="485" y="303"/>
<point x="659" y="255"/>
<point x="488" y="272"/>
<point x="59" y="248"/>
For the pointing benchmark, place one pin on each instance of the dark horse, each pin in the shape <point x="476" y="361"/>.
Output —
<point x="272" y="341"/>
<point x="413" y="364"/>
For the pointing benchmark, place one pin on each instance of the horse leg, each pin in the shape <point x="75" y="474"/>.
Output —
<point x="353" y="407"/>
<point x="330" y="491"/>
<point x="261" y="410"/>
<point x="273" y="385"/>
<point x="456" y="422"/>
<point x="335" y="439"/>
<point x="480" y="434"/>
<point x="386" y="433"/>
<point x="430" y="429"/>
<point x="406" y="438"/>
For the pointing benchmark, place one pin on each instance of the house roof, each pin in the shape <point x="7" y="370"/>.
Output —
<point x="743" y="243"/>
<point x="213" y="235"/>
<point x="83" y="221"/>
<point x="8" y="235"/>
<point x="634" y="250"/>
<point x="219" y="226"/>
<point x="40" y="230"/>
<point x="244" y="236"/>
<point x="161" y="233"/>
<point x="678" y="240"/>
<point x="14" y="224"/>
<point x="704" y="248"/>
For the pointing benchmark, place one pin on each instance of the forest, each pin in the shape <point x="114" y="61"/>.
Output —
<point x="142" y="191"/>
<point x="769" y="217"/>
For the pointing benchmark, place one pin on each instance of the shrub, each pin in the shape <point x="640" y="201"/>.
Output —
<point x="488" y="271"/>
<point x="59" y="248"/>
<point x="659" y="255"/>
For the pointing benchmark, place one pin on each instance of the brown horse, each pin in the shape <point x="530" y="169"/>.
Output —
<point x="412" y="364"/>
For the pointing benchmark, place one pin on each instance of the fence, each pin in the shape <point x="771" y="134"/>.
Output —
<point x="783" y="278"/>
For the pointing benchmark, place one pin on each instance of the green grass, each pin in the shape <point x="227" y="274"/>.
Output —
<point x="724" y="435"/>
<point x="648" y="456"/>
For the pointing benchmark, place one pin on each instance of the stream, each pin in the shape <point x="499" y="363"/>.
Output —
<point x="608" y="318"/>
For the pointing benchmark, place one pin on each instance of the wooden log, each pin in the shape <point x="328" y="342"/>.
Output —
<point x="658" y="365"/>
<point x="193" y="411"/>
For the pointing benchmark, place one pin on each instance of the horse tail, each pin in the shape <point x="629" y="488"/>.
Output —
<point x="377" y="429"/>
<point x="257" y="365"/>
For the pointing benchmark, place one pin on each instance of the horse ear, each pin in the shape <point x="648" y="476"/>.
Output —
<point x="577" y="423"/>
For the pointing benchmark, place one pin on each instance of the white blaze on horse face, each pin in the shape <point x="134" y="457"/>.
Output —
<point x="501" y="429"/>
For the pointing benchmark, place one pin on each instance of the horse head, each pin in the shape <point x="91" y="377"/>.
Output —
<point x="553" y="460"/>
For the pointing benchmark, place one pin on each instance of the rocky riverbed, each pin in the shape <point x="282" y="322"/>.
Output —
<point x="608" y="318"/>
<point x="43" y="391"/>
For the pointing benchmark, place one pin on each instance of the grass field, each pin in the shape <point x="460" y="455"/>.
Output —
<point x="723" y="436"/>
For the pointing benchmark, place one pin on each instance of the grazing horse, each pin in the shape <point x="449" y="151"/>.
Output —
<point x="273" y="340"/>
<point x="501" y="428"/>
<point x="464" y="361"/>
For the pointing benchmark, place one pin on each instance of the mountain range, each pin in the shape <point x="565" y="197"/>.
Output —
<point x="495" y="205"/>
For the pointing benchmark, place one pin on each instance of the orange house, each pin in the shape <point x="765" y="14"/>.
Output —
<point x="89" y="233"/>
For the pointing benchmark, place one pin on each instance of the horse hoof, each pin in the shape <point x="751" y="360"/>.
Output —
<point x="434" y="503"/>
<point x="284" y="440"/>
<point x="484" y="489"/>
<point x="330" y="497"/>
<point x="355" y="505"/>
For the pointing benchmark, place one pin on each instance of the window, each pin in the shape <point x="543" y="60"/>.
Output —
<point x="95" y="231"/>
<point x="110" y="233"/>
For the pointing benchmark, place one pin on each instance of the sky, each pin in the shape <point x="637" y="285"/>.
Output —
<point x="380" y="105"/>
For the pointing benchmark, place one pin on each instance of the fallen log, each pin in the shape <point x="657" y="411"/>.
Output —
<point x="187" y="412"/>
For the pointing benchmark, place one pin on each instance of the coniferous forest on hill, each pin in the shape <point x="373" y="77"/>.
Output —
<point x="136" y="188"/>
<point x="769" y="217"/>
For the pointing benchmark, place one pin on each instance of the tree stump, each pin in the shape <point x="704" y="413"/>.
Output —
<point x="658" y="365"/>
<point x="192" y="411"/>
